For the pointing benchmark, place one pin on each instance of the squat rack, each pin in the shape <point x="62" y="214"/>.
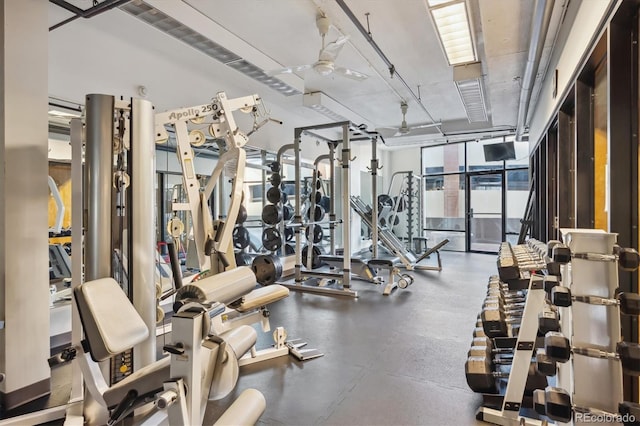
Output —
<point x="350" y="132"/>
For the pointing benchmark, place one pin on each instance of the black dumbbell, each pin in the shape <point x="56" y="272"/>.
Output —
<point x="629" y="303"/>
<point x="496" y="322"/>
<point x="628" y="259"/>
<point x="558" y="348"/>
<point x="481" y="377"/>
<point x="545" y="365"/>
<point x="556" y="404"/>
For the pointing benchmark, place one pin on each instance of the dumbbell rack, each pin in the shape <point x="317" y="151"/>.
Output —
<point x="511" y="402"/>
<point x="591" y="382"/>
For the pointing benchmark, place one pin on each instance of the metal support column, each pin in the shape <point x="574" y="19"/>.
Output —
<point x="281" y="225"/>
<point x="296" y="216"/>
<point x="98" y="173"/>
<point x="332" y="200"/>
<point x="77" y="383"/>
<point x="142" y="259"/>
<point x="374" y="197"/>
<point x="346" y="211"/>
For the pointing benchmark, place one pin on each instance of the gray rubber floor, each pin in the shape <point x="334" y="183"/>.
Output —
<point x="389" y="360"/>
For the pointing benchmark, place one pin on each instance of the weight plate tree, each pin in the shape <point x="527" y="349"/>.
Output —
<point x="268" y="267"/>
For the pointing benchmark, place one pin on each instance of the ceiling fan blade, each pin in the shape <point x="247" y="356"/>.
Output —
<point x="332" y="50"/>
<point x="289" y="70"/>
<point x="352" y="74"/>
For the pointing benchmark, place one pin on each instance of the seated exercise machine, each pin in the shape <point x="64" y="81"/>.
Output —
<point x="201" y="366"/>
<point x="214" y="239"/>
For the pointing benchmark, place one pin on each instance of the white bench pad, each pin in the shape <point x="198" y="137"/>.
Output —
<point x="262" y="296"/>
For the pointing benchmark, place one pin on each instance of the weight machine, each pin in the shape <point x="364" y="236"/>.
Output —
<point x="213" y="239"/>
<point x="118" y="240"/>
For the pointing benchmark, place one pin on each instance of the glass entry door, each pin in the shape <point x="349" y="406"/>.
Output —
<point x="485" y="211"/>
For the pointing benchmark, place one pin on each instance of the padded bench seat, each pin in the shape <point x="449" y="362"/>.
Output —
<point x="262" y="296"/>
<point x="339" y="259"/>
<point x="383" y="263"/>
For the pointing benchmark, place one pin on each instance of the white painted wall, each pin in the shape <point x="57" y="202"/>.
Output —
<point x="576" y="40"/>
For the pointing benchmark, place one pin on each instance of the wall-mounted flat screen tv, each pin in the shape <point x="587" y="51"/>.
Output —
<point x="499" y="151"/>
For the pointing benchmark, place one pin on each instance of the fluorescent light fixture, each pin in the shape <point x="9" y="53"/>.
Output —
<point x="454" y="30"/>
<point x="468" y="81"/>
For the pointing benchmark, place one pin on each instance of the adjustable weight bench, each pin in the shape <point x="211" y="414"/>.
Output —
<point x="112" y="326"/>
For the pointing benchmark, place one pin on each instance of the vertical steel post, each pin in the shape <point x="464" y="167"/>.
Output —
<point x="98" y="175"/>
<point x="77" y="383"/>
<point x="374" y="198"/>
<point x="332" y="199"/>
<point x="346" y="209"/>
<point x="142" y="273"/>
<point x="296" y="217"/>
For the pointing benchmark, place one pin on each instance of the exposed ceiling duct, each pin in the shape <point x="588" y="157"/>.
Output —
<point x="539" y="26"/>
<point x="187" y="35"/>
<point x="468" y="80"/>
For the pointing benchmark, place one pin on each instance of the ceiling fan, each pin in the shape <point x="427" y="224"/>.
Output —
<point x="404" y="129"/>
<point x="325" y="65"/>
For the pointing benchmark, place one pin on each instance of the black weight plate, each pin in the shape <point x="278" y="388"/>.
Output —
<point x="318" y="214"/>
<point x="396" y="221"/>
<point x="317" y="233"/>
<point x="384" y="200"/>
<point x="240" y="237"/>
<point x="287" y="212"/>
<point x="315" y="256"/>
<point x="288" y="234"/>
<point x="274" y="166"/>
<point x="275" y="179"/>
<point x="325" y="202"/>
<point x="243" y="259"/>
<point x="289" y="249"/>
<point x="271" y="239"/>
<point x="267" y="268"/>
<point x="274" y="195"/>
<point x="318" y="196"/>
<point x="271" y="214"/>
<point x="242" y="215"/>
<point x="284" y="198"/>
<point x="318" y="184"/>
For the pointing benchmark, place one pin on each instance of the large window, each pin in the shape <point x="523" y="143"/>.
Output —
<point x="448" y="198"/>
